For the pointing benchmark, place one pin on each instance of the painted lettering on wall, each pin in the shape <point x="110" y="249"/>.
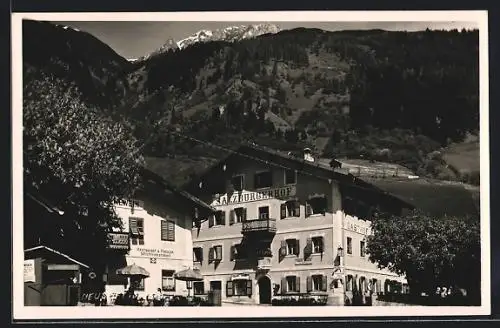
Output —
<point x="252" y="196"/>
<point x="130" y="202"/>
<point x="154" y="252"/>
<point x="356" y="228"/>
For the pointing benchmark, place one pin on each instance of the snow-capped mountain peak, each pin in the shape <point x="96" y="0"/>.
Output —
<point x="229" y="34"/>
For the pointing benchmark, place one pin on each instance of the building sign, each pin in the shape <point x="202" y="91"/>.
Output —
<point x="118" y="240"/>
<point x="29" y="271"/>
<point x="155" y="252"/>
<point x="252" y="196"/>
<point x="356" y="228"/>
<point x="130" y="203"/>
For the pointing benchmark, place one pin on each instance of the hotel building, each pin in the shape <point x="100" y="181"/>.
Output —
<point x="286" y="226"/>
<point x="156" y="235"/>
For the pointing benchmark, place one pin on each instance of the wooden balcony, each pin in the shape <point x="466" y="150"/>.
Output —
<point x="267" y="226"/>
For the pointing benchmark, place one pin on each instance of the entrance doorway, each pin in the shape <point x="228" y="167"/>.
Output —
<point x="264" y="290"/>
<point x="216" y="292"/>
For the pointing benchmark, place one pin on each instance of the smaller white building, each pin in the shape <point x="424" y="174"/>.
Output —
<point x="156" y="235"/>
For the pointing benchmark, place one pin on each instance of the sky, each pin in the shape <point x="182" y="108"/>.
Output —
<point x="133" y="39"/>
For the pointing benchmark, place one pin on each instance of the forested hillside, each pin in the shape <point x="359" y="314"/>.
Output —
<point x="400" y="97"/>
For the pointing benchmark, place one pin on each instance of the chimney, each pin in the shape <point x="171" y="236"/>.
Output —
<point x="308" y="155"/>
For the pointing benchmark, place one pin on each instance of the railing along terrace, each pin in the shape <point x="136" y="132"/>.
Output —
<point x="268" y="225"/>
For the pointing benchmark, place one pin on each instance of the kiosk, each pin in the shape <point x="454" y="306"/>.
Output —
<point x="51" y="278"/>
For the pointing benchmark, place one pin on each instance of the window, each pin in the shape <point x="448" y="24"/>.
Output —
<point x="239" y="288"/>
<point x="198" y="254"/>
<point x="237" y="252"/>
<point x="167" y="280"/>
<point x="238" y="182"/>
<point x="292" y="247"/>
<point x="140" y="284"/>
<point x="316" y="205"/>
<point x="264" y="212"/>
<point x="219" y="218"/>
<point x="349" y="283"/>
<point x="290" y="176"/>
<point x="215" y="254"/>
<point x="198" y="287"/>
<point x="317" y="244"/>
<point x="238" y="215"/>
<point x="291" y="284"/>
<point x="318" y="283"/>
<point x="136" y="228"/>
<point x="290" y="209"/>
<point x="362" y="248"/>
<point x="263" y="180"/>
<point x="167" y="230"/>
<point x="349" y="245"/>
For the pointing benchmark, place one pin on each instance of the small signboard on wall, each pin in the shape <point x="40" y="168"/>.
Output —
<point x="29" y="271"/>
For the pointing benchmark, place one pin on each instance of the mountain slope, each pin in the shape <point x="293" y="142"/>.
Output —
<point x="395" y="97"/>
<point x="389" y="96"/>
<point x="77" y="57"/>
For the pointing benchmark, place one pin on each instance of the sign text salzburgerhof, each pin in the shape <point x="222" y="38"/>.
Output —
<point x="252" y="196"/>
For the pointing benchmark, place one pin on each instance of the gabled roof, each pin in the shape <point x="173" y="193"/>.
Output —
<point x="41" y="201"/>
<point x="434" y="197"/>
<point x="317" y="169"/>
<point x="43" y="250"/>
<point x="149" y="175"/>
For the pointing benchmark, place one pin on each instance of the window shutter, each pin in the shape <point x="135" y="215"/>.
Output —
<point x="229" y="289"/>
<point x="218" y="253"/>
<point x="297" y="249"/>
<point x="324" y="283"/>
<point x="232" y="253"/>
<point x="201" y="254"/>
<point x="297" y="283"/>
<point x="223" y="219"/>
<point x="194" y="254"/>
<point x="170" y="231"/>
<point x="210" y="255"/>
<point x="308" y="210"/>
<point x="164" y="229"/>
<point x="140" y="226"/>
<point x="308" y="249"/>
<point x="283" y="248"/>
<point x="211" y="220"/>
<point x="309" y="283"/>
<point x="249" y="287"/>
<point x="132" y="222"/>
<point x="231" y="217"/>
<point x="244" y="214"/>
<point x="297" y="208"/>
<point x="283" y="285"/>
<point x="283" y="210"/>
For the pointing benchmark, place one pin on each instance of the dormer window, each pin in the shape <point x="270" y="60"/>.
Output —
<point x="290" y="177"/>
<point x="316" y="205"/>
<point x="238" y="182"/>
<point x="263" y="180"/>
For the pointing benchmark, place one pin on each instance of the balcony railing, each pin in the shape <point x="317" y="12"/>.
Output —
<point x="264" y="263"/>
<point x="264" y="225"/>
